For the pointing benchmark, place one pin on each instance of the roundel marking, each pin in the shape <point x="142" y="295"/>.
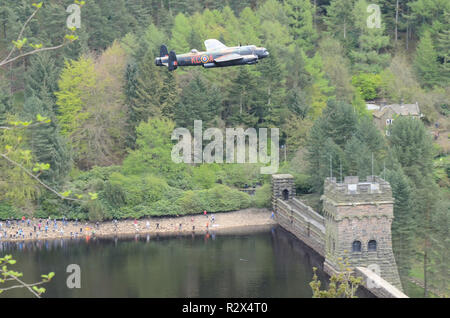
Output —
<point x="205" y="58"/>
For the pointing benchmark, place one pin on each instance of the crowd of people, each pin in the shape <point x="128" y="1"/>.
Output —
<point x="32" y="228"/>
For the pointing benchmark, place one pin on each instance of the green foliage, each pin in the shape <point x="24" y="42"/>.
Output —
<point x="339" y="141"/>
<point x="368" y="85"/>
<point x="263" y="196"/>
<point x="218" y="199"/>
<point x="370" y="53"/>
<point x="411" y="146"/>
<point x="153" y="153"/>
<point x="341" y="285"/>
<point x="200" y="101"/>
<point x="300" y="19"/>
<point x="8" y="212"/>
<point x="425" y="62"/>
<point x="403" y="224"/>
<point x="7" y="274"/>
<point x="77" y="79"/>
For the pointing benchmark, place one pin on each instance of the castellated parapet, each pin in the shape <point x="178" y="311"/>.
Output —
<point x="358" y="217"/>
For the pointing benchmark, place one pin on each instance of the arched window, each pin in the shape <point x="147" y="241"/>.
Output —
<point x="372" y="246"/>
<point x="356" y="246"/>
<point x="285" y="195"/>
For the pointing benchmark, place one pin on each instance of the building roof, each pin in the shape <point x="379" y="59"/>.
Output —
<point x="400" y="109"/>
<point x="372" y="107"/>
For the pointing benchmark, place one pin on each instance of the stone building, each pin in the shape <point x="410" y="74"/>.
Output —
<point x="283" y="187"/>
<point x="358" y="217"/>
<point x="386" y="115"/>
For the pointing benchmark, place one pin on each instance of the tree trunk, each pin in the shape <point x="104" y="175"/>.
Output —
<point x="425" y="278"/>
<point x="345" y="28"/>
<point x="407" y="30"/>
<point x="314" y="16"/>
<point x="396" y="21"/>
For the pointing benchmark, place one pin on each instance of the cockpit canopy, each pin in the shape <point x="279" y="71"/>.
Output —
<point x="194" y="51"/>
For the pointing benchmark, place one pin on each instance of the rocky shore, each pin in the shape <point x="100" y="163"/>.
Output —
<point x="211" y="222"/>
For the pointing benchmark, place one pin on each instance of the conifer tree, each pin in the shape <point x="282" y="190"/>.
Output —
<point x="411" y="146"/>
<point x="443" y="52"/>
<point x="199" y="101"/>
<point x="42" y="77"/>
<point x="403" y="224"/>
<point x="300" y="19"/>
<point x="246" y="104"/>
<point x="45" y="141"/>
<point x="272" y="83"/>
<point x="339" y="18"/>
<point x="370" y="54"/>
<point x="425" y="62"/>
<point x="145" y="101"/>
<point x="181" y="33"/>
<point x="5" y="101"/>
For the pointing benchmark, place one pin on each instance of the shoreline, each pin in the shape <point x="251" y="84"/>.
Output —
<point x="225" y="222"/>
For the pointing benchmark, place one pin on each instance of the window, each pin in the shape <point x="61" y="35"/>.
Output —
<point x="388" y="133"/>
<point x="356" y="246"/>
<point x="285" y="195"/>
<point x="372" y="246"/>
<point x="389" y="121"/>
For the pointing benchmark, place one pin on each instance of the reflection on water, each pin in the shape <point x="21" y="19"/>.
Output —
<point x="269" y="263"/>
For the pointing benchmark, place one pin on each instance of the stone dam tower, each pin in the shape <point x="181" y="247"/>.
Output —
<point x="355" y="225"/>
<point x="358" y="218"/>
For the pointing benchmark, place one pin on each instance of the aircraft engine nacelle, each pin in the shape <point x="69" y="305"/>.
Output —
<point x="158" y="61"/>
<point x="250" y="59"/>
<point x="209" y="65"/>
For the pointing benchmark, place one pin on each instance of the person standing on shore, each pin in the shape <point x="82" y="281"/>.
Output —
<point x="205" y="213"/>
<point x="147" y="225"/>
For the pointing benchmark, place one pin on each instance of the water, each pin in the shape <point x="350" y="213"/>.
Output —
<point x="266" y="263"/>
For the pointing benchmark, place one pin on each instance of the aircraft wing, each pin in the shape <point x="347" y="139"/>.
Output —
<point x="213" y="44"/>
<point x="228" y="57"/>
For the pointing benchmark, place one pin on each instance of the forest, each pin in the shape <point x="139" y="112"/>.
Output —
<point x="92" y="120"/>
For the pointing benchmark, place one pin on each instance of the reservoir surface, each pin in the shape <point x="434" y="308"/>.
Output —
<point x="267" y="262"/>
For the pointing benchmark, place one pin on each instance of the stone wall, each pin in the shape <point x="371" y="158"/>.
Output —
<point x="307" y="229"/>
<point x="377" y="285"/>
<point x="353" y="210"/>
<point x="281" y="183"/>
<point x="362" y="214"/>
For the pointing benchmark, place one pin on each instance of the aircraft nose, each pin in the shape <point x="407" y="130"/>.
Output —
<point x="265" y="53"/>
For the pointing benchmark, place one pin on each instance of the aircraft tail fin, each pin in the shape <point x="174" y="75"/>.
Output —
<point x="173" y="62"/>
<point x="163" y="52"/>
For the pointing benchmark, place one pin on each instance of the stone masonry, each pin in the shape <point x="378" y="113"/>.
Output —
<point x="282" y="183"/>
<point x="358" y="226"/>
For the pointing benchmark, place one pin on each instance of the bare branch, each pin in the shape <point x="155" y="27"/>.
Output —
<point x="28" y="172"/>
<point x="25" y="285"/>
<point x="5" y="61"/>
<point x="21" y="127"/>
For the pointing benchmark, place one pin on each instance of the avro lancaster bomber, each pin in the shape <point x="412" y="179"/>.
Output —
<point x="217" y="55"/>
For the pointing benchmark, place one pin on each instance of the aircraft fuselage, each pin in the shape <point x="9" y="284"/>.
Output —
<point x="223" y="57"/>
